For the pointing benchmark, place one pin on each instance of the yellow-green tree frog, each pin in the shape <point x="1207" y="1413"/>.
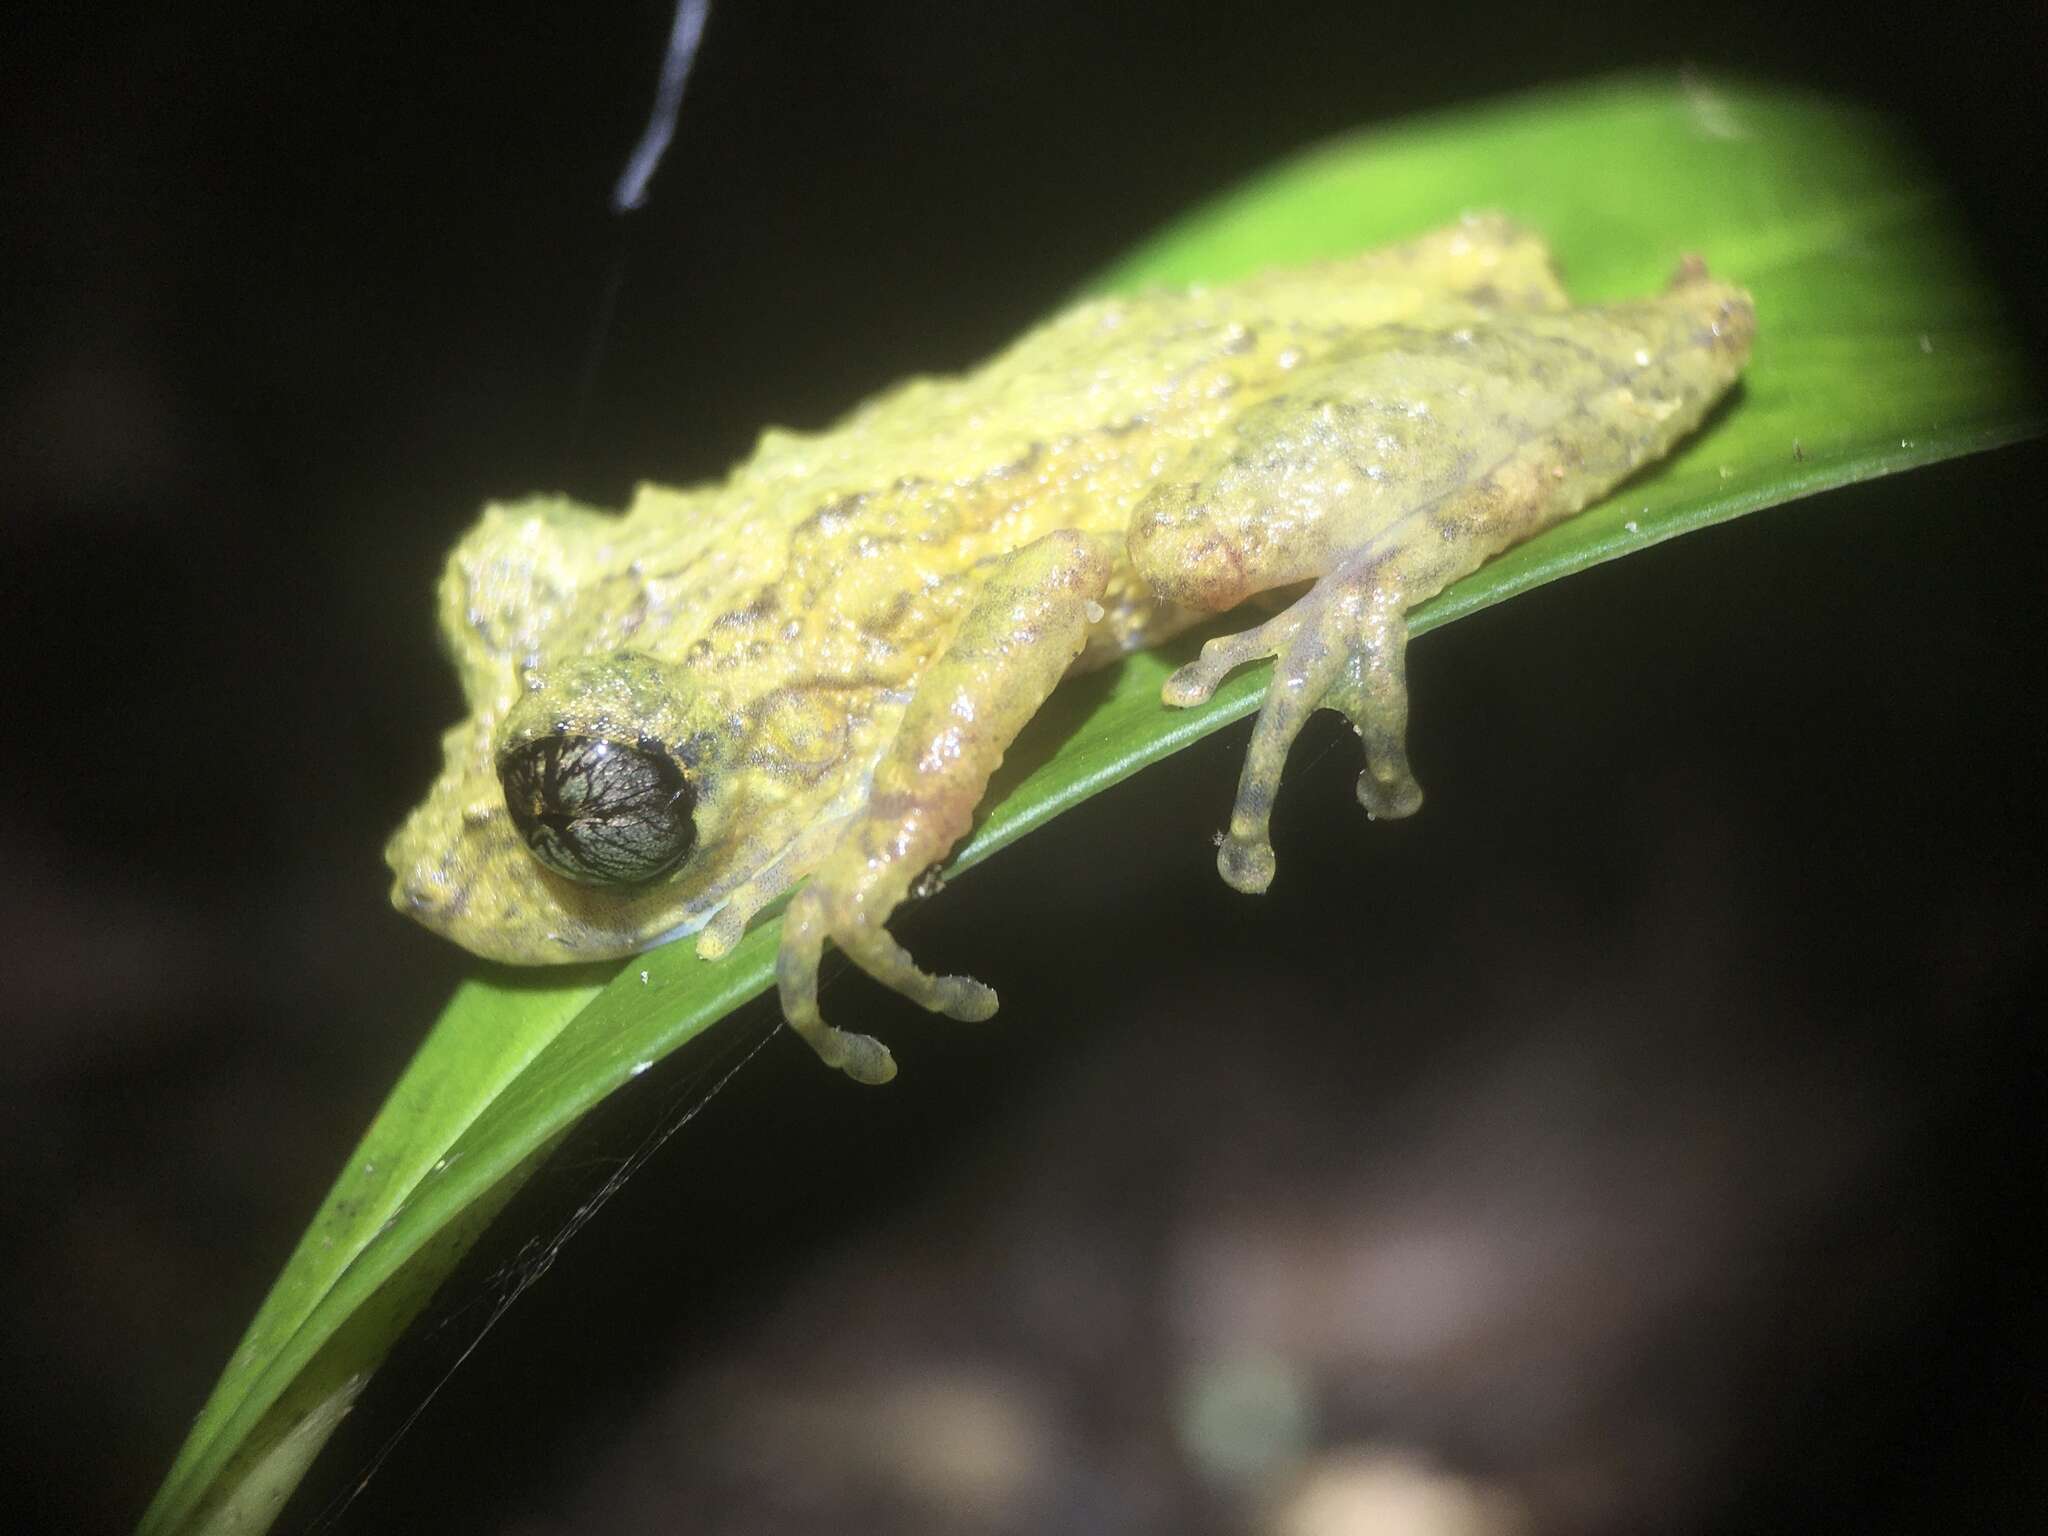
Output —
<point x="807" y="671"/>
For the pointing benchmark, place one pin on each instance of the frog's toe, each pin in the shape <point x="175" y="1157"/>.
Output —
<point x="1245" y="855"/>
<point x="1195" y="682"/>
<point x="957" y="997"/>
<point x="1373" y="693"/>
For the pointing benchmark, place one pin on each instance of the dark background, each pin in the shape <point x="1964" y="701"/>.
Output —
<point x="1684" y="1048"/>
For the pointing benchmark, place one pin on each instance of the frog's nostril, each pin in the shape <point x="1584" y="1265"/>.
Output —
<point x="429" y="896"/>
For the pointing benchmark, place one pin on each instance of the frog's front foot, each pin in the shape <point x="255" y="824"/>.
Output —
<point x="819" y="913"/>
<point x="1342" y="646"/>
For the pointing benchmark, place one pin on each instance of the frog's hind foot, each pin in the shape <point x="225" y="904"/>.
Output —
<point x="1343" y="646"/>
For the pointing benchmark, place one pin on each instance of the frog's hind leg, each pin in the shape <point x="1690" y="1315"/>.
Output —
<point x="1342" y="646"/>
<point x="1026" y="626"/>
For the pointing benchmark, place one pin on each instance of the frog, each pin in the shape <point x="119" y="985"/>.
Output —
<point x="800" y="678"/>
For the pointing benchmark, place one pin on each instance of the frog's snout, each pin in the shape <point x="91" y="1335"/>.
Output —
<point x="445" y="902"/>
<point x="443" y="884"/>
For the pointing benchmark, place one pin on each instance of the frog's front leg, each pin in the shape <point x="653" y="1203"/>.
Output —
<point x="1021" y="633"/>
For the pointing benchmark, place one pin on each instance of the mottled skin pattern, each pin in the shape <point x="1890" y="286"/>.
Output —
<point x="839" y="642"/>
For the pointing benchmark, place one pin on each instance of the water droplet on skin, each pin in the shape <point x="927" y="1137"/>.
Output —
<point x="639" y="1067"/>
<point x="1926" y="342"/>
<point x="1633" y="526"/>
<point x="643" y="978"/>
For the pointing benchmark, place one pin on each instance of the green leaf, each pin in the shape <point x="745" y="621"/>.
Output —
<point x="1879" y="348"/>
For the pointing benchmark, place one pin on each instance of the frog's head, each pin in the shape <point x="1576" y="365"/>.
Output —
<point x="584" y="822"/>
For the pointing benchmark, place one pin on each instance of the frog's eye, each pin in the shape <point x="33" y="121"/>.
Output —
<point x="599" y="812"/>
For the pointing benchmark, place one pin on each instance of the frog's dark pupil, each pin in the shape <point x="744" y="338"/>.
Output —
<point x="599" y="812"/>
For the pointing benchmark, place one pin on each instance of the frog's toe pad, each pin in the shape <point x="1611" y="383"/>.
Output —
<point x="1189" y="685"/>
<point x="1389" y="793"/>
<point x="962" y="998"/>
<point x="1246" y="863"/>
<point x="861" y="1057"/>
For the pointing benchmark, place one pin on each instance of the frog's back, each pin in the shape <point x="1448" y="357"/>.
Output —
<point x="850" y="551"/>
<point x="1069" y="424"/>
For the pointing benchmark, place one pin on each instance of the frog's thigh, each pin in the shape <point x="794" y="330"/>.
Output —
<point x="1022" y="632"/>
